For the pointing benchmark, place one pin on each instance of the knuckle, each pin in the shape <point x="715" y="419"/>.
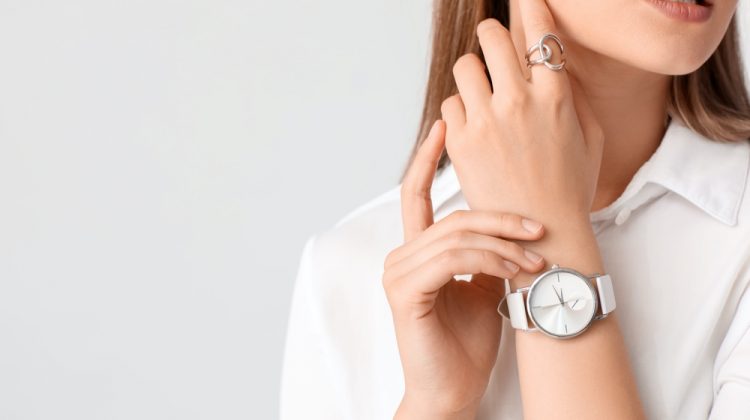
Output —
<point x="457" y="217"/>
<point x="457" y="238"/>
<point x="482" y="120"/>
<point x="487" y="24"/>
<point x="465" y="62"/>
<point x="448" y="256"/>
<point x="513" y="100"/>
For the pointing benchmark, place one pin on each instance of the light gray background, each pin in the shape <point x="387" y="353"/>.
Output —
<point x="161" y="164"/>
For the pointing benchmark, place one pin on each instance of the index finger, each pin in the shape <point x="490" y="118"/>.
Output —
<point x="416" y="200"/>
<point x="517" y="36"/>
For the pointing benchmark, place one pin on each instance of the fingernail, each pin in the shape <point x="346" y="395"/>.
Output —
<point x="512" y="266"/>
<point x="531" y="225"/>
<point x="533" y="257"/>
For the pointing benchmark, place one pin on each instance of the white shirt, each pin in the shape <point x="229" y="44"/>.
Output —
<point x="678" y="236"/>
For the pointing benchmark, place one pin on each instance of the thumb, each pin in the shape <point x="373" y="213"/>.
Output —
<point x="416" y="201"/>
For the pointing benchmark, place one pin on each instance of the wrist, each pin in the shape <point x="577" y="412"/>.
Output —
<point x="569" y="244"/>
<point x="410" y="409"/>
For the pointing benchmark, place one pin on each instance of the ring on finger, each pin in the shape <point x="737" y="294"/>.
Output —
<point x="546" y="53"/>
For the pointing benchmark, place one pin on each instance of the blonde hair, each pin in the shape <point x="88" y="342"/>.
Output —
<point x="712" y="100"/>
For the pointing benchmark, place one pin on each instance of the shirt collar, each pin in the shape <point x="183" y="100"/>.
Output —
<point x="712" y="175"/>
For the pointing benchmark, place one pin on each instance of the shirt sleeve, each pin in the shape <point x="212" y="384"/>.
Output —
<point x="732" y="372"/>
<point x="307" y="385"/>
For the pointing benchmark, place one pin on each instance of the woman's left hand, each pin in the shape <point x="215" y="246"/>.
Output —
<point x="532" y="146"/>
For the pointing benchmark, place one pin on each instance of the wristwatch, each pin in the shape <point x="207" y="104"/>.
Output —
<point x="561" y="302"/>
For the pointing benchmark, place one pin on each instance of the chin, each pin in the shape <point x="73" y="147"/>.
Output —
<point x="637" y="33"/>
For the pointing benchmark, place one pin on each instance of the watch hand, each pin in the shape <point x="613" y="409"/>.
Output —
<point x="558" y="295"/>
<point x="546" y="306"/>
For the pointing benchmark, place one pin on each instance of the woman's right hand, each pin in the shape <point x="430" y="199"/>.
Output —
<point x="448" y="331"/>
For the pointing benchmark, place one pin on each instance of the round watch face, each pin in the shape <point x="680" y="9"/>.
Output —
<point x="562" y="303"/>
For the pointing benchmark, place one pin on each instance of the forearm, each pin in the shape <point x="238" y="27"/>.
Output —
<point x="588" y="376"/>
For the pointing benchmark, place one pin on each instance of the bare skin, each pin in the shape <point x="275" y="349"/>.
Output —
<point x="497" y="138"/>
<point x="433" y="311"/>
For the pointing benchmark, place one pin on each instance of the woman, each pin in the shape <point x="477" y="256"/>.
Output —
<point x="604" y="141"/>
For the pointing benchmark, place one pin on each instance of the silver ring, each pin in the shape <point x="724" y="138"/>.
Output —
<point x="546" y="53"/>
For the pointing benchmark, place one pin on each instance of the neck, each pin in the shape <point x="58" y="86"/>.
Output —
<point x="630" y="105"/>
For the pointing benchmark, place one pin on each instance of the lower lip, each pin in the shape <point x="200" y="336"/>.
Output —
<point x="687" y="12"/>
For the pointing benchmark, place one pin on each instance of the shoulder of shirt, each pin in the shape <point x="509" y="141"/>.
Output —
<point x="353" y="243"/>
<point x="367" y="232"/>
<point x="444" y="185"/>
<point x="389" y="196"/>
<point x="364" y="232"/>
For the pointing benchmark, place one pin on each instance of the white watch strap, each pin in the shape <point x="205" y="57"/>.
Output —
<point x="517" y="310"/>
<point x="606" y="292"/>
